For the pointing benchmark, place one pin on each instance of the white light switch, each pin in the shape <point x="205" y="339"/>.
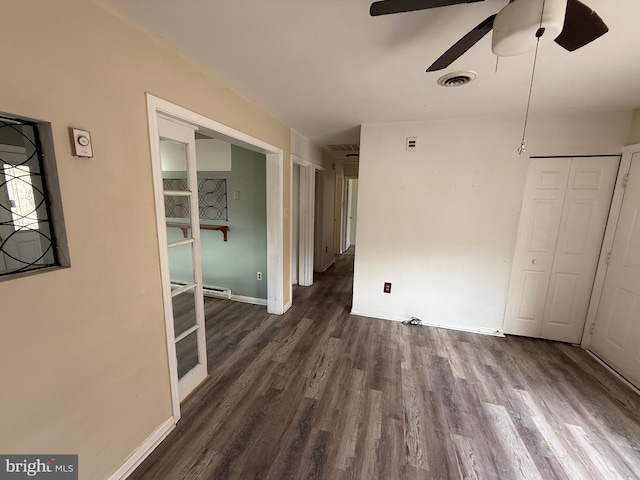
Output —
<point x="236" y="195"/>
<point x="82" y="143"/>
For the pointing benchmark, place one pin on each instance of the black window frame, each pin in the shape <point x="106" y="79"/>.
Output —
<point x="52" y="199"/>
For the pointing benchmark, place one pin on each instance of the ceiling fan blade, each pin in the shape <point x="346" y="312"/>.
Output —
<point x="385" y="7"/>
<point x="581" y="26"/>
<point x="462" y="45"/>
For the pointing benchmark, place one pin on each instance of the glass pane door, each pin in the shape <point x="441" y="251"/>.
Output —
<point x="179" y="181"/>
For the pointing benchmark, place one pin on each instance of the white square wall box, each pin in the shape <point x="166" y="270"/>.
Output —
<point x="82" y="143"/>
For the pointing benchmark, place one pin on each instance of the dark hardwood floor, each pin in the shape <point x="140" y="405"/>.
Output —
<point x="321" y="394"/>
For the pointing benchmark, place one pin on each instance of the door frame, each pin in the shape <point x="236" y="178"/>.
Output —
<point x="275" y="218"/>
<point x="347" y="210"/>
<point x="306" y="218"/>
<point x="607" y="242"/>
<point x="338" y="215"/>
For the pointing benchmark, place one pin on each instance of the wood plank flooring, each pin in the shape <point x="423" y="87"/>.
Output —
<point x="321" y="394"/>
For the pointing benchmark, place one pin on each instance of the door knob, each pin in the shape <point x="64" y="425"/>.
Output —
<point x="534" y="261"/>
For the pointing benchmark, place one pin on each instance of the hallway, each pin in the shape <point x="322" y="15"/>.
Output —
<point x="320" y="394"/>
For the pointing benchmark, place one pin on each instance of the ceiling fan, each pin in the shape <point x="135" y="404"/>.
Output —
<point x="517" y="28"/>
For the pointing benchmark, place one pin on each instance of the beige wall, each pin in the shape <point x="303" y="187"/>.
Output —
<point x="634" y="131"/>
<point x="82" y="350"/>
<point x="351" y="170"/>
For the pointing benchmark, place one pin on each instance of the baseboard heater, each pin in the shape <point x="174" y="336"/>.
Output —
<point x="217" y="292"/>
<point x="209" y="290"/>
<point x="225" y="294"/>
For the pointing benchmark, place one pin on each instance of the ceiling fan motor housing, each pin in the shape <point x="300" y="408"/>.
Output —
<point x="516" y="25"/>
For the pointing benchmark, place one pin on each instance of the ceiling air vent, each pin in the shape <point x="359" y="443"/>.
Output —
<point x="456" y="79"/>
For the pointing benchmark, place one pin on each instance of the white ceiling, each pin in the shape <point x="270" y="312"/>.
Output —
<point x="325" y="66"/>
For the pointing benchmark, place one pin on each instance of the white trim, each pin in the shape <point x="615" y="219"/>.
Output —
<point x="620" y="377"/>
<point x="338" y="223"/>
<point x="607" y="244"/>
<point x="306" y="219"/>
<point x="295" y="255"/>
<point x="275" y="234"/>
<point x="496" y="332"/>
<point x="328" y="264"/>
<point x="318" y="185"/>
<point x="347" y="231"/>
<point x="253" y="300"/>
<point x="308" y="195"/>
<point x="227" y="295"/>
<point x="301" y="161"/>
<point x="288" y="305"/>
<point x="144" y="450"/>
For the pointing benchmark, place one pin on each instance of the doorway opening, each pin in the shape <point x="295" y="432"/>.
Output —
<point x="161" y="111"/>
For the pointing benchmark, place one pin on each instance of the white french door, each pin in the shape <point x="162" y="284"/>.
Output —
<point x="616" y="334"/>
<point x="182" y="275"/>
<point x="562" y="224"/>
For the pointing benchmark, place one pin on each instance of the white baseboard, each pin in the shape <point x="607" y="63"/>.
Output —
<point x="620" y="377"/>
<point x="227" y="295"/>
<point x="144" y="450"/>
<point x="287" y="306"/>
<point x="254" y="300"/>
<point x="496" y="332"/>
<point x="326" y="267"/>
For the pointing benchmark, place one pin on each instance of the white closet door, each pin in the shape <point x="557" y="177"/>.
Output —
<point x="584" y="216"/>
<point x="562" y="224"/>
<point x="537" y="235"/>
<point x="616" y="335"/>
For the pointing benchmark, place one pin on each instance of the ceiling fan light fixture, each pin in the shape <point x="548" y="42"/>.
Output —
<point x="457" y="79"/>
<point x="516" y="25"/>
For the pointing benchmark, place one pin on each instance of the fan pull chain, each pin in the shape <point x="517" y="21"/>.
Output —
<point x="497" y="59"/>
<point x="539" y="33"/>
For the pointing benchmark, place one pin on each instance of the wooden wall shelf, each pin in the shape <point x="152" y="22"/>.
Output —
<point x="222" y="228"/>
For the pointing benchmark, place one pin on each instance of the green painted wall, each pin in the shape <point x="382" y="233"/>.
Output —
<point x="234" y="263"/>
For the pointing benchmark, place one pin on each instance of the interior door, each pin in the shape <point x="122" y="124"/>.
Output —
<point x="584" y="215"/>
<point x="562" y="225"/>
<point x="537" y="234"/>
<point x="337" y="214"/>
<point x="183" y="278"/>
<point x="347" y="234"/>
<point x="353" y="211"/>
<point x="616" y="335"/>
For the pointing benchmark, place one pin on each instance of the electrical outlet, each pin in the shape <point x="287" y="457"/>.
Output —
<point x="259" y="276"/>
<point x="412" y="144"/>
<point x="387" y="287"/>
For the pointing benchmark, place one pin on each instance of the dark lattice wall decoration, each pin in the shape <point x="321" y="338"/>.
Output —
<point x="212" y="199"/>
<point x="26" y="239"/>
